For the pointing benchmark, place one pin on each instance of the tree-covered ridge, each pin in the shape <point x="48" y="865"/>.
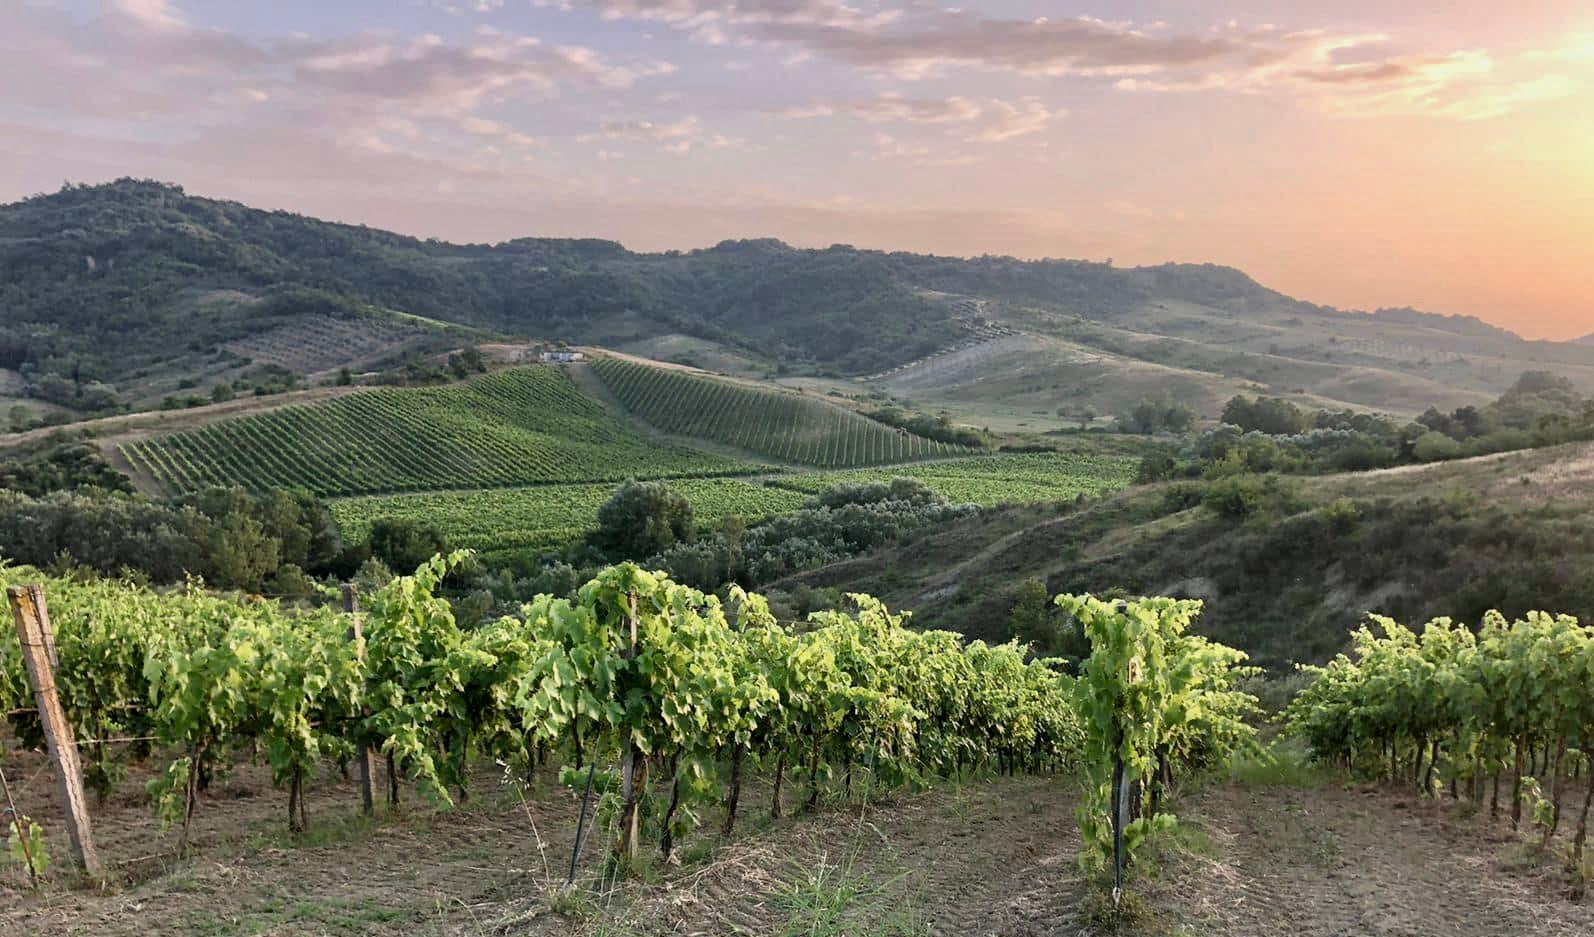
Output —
<point x="108" y="284"/>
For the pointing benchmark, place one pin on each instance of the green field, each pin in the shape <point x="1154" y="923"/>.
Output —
<point x="517" y="427"/>
<point x="991" y="480"/>
<point x="546" y="516"/>
<point x="789" y="427"/>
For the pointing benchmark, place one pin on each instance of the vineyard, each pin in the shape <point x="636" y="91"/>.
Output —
<point x="991" y="480"/>
<point x="547" y="516"/>
<point x="788" y="427"/>
<point x="1453" y="710"/>
<point x="654" y="700"/>
<point x="517" y="427"/>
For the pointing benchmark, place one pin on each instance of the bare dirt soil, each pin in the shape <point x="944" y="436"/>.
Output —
<point x="1336" y="862"/>
<point x="982" y="858"/>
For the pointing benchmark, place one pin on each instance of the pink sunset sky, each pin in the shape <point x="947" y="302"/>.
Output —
<point x="1356" y="153"/>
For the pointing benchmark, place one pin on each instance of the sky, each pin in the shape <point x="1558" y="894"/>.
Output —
<point x="1431" y="153"/>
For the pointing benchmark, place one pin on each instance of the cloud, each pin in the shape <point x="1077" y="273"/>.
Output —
<point x="157" y="13"/>
<point x="458" y="76"/>
<point x="945" y="39"/>
<point x="992" y="120"/>
<point x="141" y="70"/>
<point x="1008" y="121"/>
<point x="1347" y="76"/>
<point x="679" y="136"/>
<point x="891" y="108"/>
<point x="694" y="14"/>
<point x="1344" y="73"/>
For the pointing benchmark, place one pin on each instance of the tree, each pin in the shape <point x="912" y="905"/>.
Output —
<point x="1030" y="620"/>
<point x="242" y="554"/>
<point x="1159" y="414"/>
<point x="641" y="519"/>
<point x="1435" y="446"/>
<point x="467" y="361"/>
<point x="1274" y="416"/>
<point x="404" y="544"/>
<point x="1178" y="418"/>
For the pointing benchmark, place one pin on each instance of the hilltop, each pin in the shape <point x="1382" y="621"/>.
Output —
<point x="120" y="295"/>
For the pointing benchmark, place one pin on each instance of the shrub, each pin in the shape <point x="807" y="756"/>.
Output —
<point x="1245" y="496"/>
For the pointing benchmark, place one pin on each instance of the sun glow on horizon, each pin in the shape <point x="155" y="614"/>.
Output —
<point x="1346" y="153"/>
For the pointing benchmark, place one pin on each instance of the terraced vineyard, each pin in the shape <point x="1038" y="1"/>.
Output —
<point x="546" y="516"/>
<point x="517" y="427"/>
<point x="1002" y="479"/>
<point x="783" y="426"/>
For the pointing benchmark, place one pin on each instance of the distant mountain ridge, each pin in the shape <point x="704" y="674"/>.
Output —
<point x="1454" y="322"/>
<point x="134" y="288"/>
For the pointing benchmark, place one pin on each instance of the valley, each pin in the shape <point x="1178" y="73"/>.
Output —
<point x="918" y="565"/>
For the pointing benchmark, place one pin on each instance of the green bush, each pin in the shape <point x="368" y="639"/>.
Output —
<point x="1246" y="496"/>
<point x="1434" y="446"/>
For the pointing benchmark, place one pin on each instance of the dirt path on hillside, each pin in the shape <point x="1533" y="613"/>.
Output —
<point x="1330" y="862"/>
<point x="167" y="421"/>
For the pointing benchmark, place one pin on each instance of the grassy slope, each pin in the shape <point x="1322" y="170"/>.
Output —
<point x="1506" y="531"/>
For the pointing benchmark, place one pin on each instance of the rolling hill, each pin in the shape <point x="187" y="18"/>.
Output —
<point x="1285" y="578"/>
<point x="515" y="427"/>
<point x="120" y="294"/>
<point x="779" y="425"/>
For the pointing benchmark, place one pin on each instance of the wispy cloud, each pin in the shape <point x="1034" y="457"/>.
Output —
<point x="141" y="63"/>
<point x="986" y="120"/>
<point x="1348" y="73"/>
<point x="1352" y="76"/>
<point x="698" y="13"/>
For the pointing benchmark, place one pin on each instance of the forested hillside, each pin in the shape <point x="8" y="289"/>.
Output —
<point x="119" y="294"/>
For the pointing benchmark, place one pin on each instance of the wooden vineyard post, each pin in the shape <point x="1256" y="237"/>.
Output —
<point x="351" y="605"/>
<point x="38" y="653"/>
<point x="633" y="771"/>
